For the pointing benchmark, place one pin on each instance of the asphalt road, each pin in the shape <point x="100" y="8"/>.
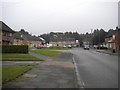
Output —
<point x="96" y="70"/>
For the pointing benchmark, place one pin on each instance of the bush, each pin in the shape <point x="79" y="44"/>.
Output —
<point x="102" y="48"/>
<point x="14" y="48"/>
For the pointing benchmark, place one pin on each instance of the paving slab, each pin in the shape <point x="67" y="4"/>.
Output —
<point x="19" y="63"/>
<point x="55" y="73"/>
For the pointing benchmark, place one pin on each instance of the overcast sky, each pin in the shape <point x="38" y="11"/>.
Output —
<point x="44" y="16"/>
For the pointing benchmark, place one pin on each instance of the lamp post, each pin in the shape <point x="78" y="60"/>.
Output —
<point x="92" y="38"/>
<point x="99" y="40"/>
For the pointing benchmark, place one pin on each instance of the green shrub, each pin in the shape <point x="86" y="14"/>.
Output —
<point x="14" y="48"/>
<point x="102" y="48"/>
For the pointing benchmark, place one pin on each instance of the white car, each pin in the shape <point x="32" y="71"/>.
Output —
<point x="69" y="46"/>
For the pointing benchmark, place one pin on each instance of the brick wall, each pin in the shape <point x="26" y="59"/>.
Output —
<point x="6" y="38"/>
<point x="63" y="43"/>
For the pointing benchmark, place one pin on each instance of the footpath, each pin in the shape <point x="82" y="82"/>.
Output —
<point x="55" y="72"/>
<point x="107" y="52"/>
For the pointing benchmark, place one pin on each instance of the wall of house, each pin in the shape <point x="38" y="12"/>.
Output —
<point x="6" y="36"/>
<point x="18" y="42"/>
<point x="33" y="44"/>
<point x="0" y="38"/>
<point x="111" y="43"/>
<point x="118" y="41"/>
<point x="63" y="43"/>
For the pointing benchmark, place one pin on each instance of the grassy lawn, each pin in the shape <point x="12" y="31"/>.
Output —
<point x="37" y="59"/>
<point x="19" y="57"/>
<point x="109" y="50"/>
<point x="56" y="48"/>
<point x="118" y="51"/>
<point x="47" y="53"/>
<point x="11" y="73"/>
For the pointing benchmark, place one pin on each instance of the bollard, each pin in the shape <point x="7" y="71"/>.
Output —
<point x="113" y="50"/>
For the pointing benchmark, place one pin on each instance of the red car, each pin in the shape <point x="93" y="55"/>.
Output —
<point x="39" y="47"/>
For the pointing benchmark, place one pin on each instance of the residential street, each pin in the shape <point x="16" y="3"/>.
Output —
<point x="96" y="70"/>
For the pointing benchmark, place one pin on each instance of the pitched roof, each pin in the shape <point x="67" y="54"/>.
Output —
<point x="27" y="36"/>
<point x="87" y="40"/>
<point x="5" y="27"/>
<point x="17" y="35"/>
<point x="61" y="38"/>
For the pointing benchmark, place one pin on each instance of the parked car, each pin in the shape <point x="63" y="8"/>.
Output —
<point x="69" y="46"/>
<point x="86" y="47"/>
<point x="39" y="47"/>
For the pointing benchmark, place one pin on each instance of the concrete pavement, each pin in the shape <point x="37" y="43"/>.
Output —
<point x="107" y="52"/>
<point x="53" y="73"/>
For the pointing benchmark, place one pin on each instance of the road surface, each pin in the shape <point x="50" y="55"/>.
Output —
<point x="96" y="70"/>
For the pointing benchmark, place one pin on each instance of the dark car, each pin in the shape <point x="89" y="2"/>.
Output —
<point x="86" y="47"/>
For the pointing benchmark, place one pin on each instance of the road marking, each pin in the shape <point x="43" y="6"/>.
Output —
<point x="79" y="80"/>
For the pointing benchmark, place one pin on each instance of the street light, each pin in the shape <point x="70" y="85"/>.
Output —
<point x="92" y="37"/>
<point x="99" y="39"/>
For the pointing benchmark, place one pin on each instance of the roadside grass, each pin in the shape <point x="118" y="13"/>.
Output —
<point x="11" y="73"/>
<point x="118" y="51"/>
<point x="47" y="53"/>
<point x="105" y="50"/>
<point x="0" y="76"/>
<point x="34" y="59"/>
<point x="19" y="57"/>
<point x="109" y="50"/>
<point x="23" y="79"/>
<point x="56" y="48"/>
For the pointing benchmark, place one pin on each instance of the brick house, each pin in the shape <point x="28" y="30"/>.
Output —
<point x="62" y="41"/>
<point x="24" y="38"/>
<point x="6" y="34"/>
<point x="87" y="41"/>
<point x="18" y="40"/>
<point x="118" y="40"/>
<point x="113" y="41"/>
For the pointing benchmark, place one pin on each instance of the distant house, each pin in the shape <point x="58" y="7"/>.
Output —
<point x="18" y="39"/>
<point x="113" y="41"/>
<point x="63" y="41"/>
<point x="24" y="38"/>
<point x="87" y="41"/>
<point x="6" y="34"/>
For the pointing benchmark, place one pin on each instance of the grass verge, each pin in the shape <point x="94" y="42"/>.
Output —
<point x="47" y="53"/>
<point x="22" y="59"/>
<point x="56" y="48"/>
<point x="11" y="73"/>
<point x="19" y="57"/>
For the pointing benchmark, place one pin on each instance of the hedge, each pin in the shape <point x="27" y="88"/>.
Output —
<point x="14" y="48"/>
<point x="102" y="48"/>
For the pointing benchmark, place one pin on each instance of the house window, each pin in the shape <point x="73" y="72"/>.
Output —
<point x="4" y="34"/>
<point x="10" y="34"/>
<point x="0" y="33"/>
